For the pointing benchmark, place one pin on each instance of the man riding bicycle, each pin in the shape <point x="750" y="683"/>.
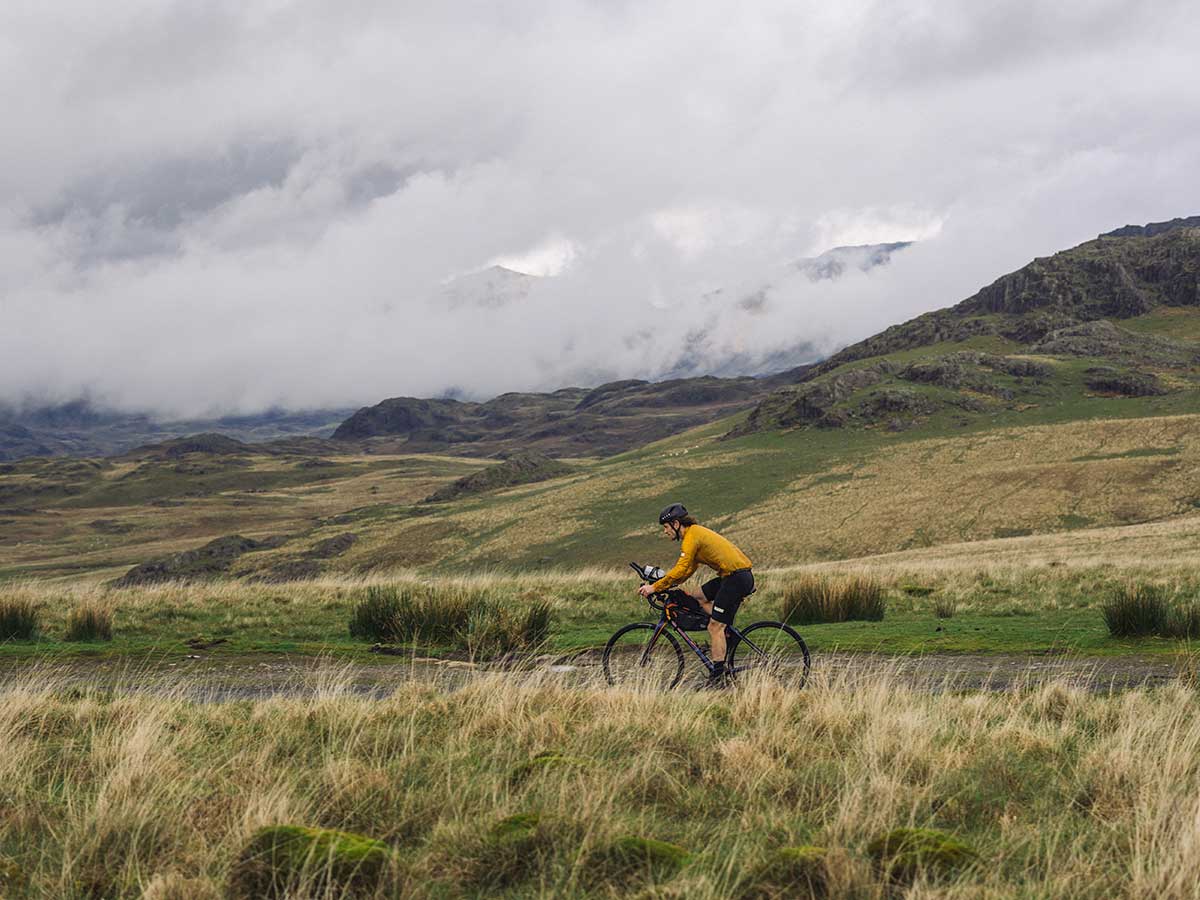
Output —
<point x="721" y="596"/>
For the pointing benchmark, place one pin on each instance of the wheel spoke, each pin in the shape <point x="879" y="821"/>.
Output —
<point x="774" y="650"/>
<point x="638" y="656"/>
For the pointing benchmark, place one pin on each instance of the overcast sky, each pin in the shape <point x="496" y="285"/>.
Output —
<point x="224" y="206"/>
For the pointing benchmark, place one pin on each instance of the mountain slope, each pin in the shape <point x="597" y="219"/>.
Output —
<point x="1113" y="317"/>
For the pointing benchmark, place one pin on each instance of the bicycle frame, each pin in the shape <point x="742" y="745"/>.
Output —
<point x="733" y="635"/>
<point x="705" y="659"/>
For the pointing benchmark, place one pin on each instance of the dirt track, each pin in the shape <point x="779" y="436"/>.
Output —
<point x="216" y="677"/>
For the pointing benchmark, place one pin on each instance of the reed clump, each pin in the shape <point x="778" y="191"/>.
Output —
<point x="945" y="607"/>
<point x="453" y="617"/>
<point x="89" y="621"/>
<point x="19" y="619"/>
<point x="813" y="598"/>
<point x="1141" y="609"/>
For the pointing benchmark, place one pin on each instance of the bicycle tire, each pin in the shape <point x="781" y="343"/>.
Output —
<point x="786" y="655"/>
<point x="622" y="667"/>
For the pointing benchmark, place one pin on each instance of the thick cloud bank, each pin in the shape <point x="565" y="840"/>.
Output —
<point x="225" y="206"/>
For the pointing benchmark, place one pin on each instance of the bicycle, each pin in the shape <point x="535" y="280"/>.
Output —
<point x="649" y="653"/>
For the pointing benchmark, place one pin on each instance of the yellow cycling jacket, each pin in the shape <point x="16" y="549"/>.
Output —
<point x="703" y="545"/>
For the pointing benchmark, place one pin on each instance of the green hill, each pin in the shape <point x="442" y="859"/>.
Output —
<point x="1113" y="318"/>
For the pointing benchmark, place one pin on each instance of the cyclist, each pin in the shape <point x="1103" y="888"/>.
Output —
<point x="721" y="596"/>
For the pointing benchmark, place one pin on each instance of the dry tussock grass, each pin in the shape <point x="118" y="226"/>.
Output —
<point x="942" y="490"/>
<point x="810" y="597"/>
<point x="1149" y="547"/>
<point x="1064" y="793"/>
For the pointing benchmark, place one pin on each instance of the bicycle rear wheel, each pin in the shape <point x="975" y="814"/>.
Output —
<point x="773" y="650"/>
<point x="630" y="660"/>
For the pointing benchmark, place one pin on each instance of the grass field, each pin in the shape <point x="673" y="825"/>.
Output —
<point x="1060" y="794"/>
<point x="999" y="607"/>
<point x="809" y="496"/>
<point x="787" y="498"/>
<point x="96" y="519"/>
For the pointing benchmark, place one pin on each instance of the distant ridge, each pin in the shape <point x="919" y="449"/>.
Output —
<point x="1154" y="228"/>
<point x="600" y="421"/>
<point x="80" y="429"/>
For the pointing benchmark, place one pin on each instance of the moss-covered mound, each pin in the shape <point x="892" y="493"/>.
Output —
<point x="903" y="852"/>
<point x="511" y="851"/>
<point x="521" y="468"/>
<point x="632" y="858"/>
<point x="543" y="762"/>
<point x="788" y="872"/>
<point x="280" y="860"/>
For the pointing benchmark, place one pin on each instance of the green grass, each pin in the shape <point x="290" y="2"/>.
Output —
<point x="1177" y="323"/>
<point x="1038" y="612"/>
<point x="767" y="463"/>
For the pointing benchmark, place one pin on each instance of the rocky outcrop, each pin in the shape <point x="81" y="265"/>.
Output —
<point x="1111" y="277"/>
<point x="813" y="403"/>
<point x="209" y="561"/>
<point x="1109" y="341"/>
<point x="403" y="416"/>
<point x="519" y="468"/>
<point x="1105" y="380"/>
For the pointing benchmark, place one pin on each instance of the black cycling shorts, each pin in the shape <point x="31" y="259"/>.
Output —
<point x="726" y="594"/>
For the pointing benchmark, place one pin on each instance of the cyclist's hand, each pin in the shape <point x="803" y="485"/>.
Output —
<point x="646" y="590"/>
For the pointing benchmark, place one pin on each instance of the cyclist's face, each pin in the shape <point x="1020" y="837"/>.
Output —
<point x="668" y="531"/>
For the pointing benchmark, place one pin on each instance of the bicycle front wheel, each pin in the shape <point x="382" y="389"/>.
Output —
<point x="634" y="658"/>
<point x="774" y="650"/>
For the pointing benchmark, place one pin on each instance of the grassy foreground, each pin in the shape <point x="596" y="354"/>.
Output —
<point x="1061" y="794"/>
<point x="1014" y="609"/>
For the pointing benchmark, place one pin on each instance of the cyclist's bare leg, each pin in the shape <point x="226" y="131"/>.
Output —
<point x="716" y="630"/>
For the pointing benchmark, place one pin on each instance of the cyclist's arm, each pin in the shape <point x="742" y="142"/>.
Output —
<point x="682" y="570"/>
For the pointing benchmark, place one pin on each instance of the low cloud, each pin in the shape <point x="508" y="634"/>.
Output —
<point x="225" y="207"/>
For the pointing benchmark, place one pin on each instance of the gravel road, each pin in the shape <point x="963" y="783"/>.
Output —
<point x="221" y="677"/>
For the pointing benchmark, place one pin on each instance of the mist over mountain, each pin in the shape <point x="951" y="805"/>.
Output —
<point x="492" y="287"/>
<point x="234" y="208"/>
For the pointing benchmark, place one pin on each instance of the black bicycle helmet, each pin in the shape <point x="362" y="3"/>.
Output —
<point x="672" y="513"/>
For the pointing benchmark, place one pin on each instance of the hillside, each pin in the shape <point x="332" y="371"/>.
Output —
<point x="1088" y="429"/>
<point x="1111" y="318"/>
<point x="519" y="468"/>
<point x="600" y="421"/>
